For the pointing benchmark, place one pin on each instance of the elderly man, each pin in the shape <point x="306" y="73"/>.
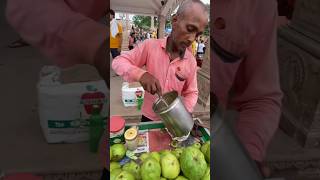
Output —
<point x="169" y="66"/>
<point x="244" y="70"/>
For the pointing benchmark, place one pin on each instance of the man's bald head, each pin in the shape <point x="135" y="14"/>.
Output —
<point x="188" y="23"/>
<point x="187" y="4"/>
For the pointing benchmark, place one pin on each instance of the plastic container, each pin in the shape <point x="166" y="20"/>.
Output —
<point x="130" y="92"/>
<point x="130" y="136"/>
<point x="117" y="126"/>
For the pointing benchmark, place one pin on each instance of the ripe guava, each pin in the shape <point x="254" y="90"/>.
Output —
<point x="114" y="165"/>
<point x="155" y="155"/>
<point x="118" y="152"/>
<point x="196" y="145"/>
<point x="170" y="166"/>
<point x="193" y="163"/>
<point x="114" y="173"/>
<point x="207" y="174"/>
<point x="150" y="169"/>
<point x="181" y="178"/>
<point x="177" y="152"/>
<point x="144" y="156"/>
<point x="164" y="152"/>
<point x="125" y="175"/>
<point x="205" y="149"/>
<point x="133" y="168"/>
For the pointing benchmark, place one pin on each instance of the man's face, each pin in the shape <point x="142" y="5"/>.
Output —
<point x="188" y="26"/>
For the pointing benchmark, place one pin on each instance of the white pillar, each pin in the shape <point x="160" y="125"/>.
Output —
<point x="152" y="23"/>
<point x="162" y="24"/>
<point x="127" y="21"/>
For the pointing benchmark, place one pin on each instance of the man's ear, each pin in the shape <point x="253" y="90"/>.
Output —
<point x="174" y="18"/>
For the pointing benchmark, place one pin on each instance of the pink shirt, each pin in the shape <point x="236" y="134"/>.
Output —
<point x="152" y="54"/>
<point x="65" y="31"/>
<point x="250" y="33"/>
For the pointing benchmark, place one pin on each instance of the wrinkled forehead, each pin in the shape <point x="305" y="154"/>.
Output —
<point x="200" y="21"/>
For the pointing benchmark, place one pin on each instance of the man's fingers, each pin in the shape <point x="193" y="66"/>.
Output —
<point x="145" y="87"/>
<point x="158" y="86"/>
<point x="150" y="84"/>
<point x="148" y="88"/>
<point x="154" y="88"/>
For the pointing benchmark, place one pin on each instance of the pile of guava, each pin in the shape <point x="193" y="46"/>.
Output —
<point x="188" y="163"/>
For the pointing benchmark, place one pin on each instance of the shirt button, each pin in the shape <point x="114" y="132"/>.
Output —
<point x="220" y="23"/>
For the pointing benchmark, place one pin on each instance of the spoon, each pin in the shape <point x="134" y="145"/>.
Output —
<point x="161" y="99"/>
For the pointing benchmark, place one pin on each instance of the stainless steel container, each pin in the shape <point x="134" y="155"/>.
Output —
<point x="175" y="117"/>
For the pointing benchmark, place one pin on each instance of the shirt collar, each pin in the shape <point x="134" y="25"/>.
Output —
<point x="163" y="44"/>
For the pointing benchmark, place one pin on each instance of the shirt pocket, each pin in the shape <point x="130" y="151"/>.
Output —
<point x="180" y="75"/>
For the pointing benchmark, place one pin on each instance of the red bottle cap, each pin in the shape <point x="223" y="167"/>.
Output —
<point x="116" y="123"/>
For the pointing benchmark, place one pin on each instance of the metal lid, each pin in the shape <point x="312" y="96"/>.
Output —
<point x="130" y="134"/>
<point x="116" y="123"/>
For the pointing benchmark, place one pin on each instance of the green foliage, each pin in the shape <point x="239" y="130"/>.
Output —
<point x="143" y="22"/>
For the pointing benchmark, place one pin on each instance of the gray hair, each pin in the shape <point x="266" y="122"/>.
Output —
<point x="185" y="4"/>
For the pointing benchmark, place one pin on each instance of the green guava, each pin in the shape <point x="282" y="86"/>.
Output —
<point x="118" y="152"/>
<point x="207" y="174"/>
<point x="181" y="178"/>
<point x="170" y="166"/>
<point x="193" y="163"/>
<point x="205" y="149"/>
<point x="164" y="152"/>
<point x="133" y="168"/>
<point x="125" y="175"/>
<point x="177" y="152"/>
<point x="150" y="169"/>
<point x="197" y="145"/>
<point x="114" y="173"/>
<point x="155" y="155"/>
<point x="114" y="165"/>
<point x="144" y="156"/>
<point x="110" y="153"/>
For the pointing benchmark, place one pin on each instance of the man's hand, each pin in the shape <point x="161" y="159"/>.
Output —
<point x="150" y="84"/>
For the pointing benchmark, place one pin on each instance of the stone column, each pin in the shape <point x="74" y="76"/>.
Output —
<point x="152" y="23"/>
<point x="162" y="24"/>
<point x="204" y="79"/>
<point x="299" y="65"/>
<point x="127" y="21"/>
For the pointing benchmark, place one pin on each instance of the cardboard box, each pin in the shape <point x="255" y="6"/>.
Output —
<point x="65" y="109"/>
<point x="130" y="92"/>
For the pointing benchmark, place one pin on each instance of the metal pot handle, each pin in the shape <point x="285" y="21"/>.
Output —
<point x="198" y="122"/>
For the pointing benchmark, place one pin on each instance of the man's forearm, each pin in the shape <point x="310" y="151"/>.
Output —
<point x="129" y="65"/>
